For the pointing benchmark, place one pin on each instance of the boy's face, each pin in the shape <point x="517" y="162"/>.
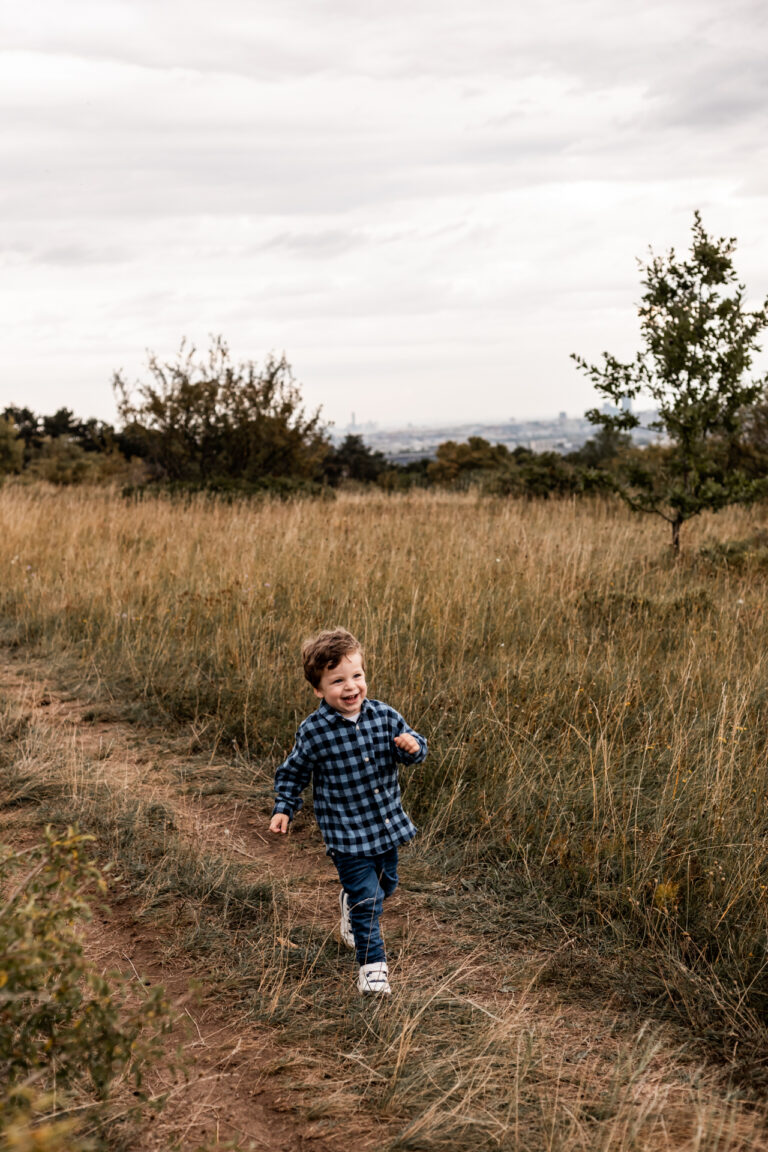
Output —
<point x="344" y="687"/>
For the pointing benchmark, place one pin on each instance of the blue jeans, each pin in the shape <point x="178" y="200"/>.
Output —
<point x="367" y="881"/>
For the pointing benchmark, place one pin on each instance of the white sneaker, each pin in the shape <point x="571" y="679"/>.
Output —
<point x="373" y="978"/>
<point x="345" y="928"/>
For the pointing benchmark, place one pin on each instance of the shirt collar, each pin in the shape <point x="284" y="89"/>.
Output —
<point x="333" y="717"/>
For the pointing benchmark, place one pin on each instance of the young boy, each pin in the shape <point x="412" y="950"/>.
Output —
<point x="351" y="747"/>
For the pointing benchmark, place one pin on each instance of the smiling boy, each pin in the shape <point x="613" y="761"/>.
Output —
<point x="351" y="748"/>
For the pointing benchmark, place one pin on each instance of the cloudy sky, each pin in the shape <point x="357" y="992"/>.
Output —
<point x="426" y="204"/>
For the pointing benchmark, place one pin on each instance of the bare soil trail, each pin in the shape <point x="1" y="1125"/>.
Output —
<point x="235" y="1090"/>
<point x="228" y="1095"/>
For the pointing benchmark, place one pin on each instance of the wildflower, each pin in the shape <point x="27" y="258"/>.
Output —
<point x="666" y="894"/>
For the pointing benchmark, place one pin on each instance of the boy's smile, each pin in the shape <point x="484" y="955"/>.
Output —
<point x="344" y="687"/>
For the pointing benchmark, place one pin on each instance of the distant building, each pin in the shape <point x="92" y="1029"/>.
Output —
<point x="559" y="433"/>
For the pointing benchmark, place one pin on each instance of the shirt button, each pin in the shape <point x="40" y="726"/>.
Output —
<point x="365" y="758"/>
<point x="376" y="791"/>
<point x="386" y="821"/>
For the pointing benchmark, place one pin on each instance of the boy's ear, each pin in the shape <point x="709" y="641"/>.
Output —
<point x="318" y="692"/>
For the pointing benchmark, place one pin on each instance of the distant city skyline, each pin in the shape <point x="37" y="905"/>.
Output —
<point x="354" y="424"/>
<point x="427" y="207"/>
<point x="561" y="433"/>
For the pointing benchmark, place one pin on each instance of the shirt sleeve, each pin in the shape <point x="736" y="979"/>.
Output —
<point x="400" y="727"/>
<point x="291" y="778"/>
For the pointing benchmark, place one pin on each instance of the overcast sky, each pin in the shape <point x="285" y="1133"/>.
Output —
<point x="427" y="205"/>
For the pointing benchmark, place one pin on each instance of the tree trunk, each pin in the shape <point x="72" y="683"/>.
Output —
<point x="676" y="536"/>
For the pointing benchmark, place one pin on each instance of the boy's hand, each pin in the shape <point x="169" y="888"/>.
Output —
<point x="279" y="822"/>
<point x="407" y="743"/>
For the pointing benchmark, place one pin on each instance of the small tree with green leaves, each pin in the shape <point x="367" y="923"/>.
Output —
<point x="699" y="344"/>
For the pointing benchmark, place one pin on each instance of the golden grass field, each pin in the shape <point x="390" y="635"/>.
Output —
<point x="596" y="783"/>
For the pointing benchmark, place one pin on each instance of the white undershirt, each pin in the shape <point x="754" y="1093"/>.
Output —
<point x="354" y="718"/>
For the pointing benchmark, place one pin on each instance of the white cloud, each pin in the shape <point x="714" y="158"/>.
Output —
<point x="410" y="200"/>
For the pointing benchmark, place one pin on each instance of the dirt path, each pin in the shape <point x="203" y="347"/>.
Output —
<point x="236" y="1091"/>
<point x="223" y="1096"/>
<point x="228" y="1092"/>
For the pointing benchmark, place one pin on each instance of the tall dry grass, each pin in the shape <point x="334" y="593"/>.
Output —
<point x="595" y="713"/>
<point x="446" y="1065"/>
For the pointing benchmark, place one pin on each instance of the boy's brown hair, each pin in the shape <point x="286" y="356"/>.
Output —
<point x="327" y="650"/>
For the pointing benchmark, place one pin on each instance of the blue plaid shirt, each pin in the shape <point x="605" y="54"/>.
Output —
<point x="353" y="766"/>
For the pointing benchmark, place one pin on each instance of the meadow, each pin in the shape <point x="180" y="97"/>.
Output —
<point x="596" y="714"/>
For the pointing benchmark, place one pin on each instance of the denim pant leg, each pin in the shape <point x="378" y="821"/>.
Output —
<point x="386" y="869"/>
<point x="367" y="880"/>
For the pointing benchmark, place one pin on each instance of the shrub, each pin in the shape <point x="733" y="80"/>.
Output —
<point x="208" y="419"/>
<point x="67" y="1033"/>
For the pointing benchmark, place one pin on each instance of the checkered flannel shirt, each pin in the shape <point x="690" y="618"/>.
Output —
<point x="353" y="766"/>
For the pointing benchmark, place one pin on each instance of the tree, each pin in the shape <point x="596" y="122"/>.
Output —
<point x="354" y="460"/>
<point x="699" y="343"/>
<point x="91" y="435"/>
<point x="27" y="427"/>
<point x="462" y="463"/>
<point x="211" y="419"/>
<point x="601" y="450"/>
<point x="63" y="438"/>
<point x="11" y="447"/>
